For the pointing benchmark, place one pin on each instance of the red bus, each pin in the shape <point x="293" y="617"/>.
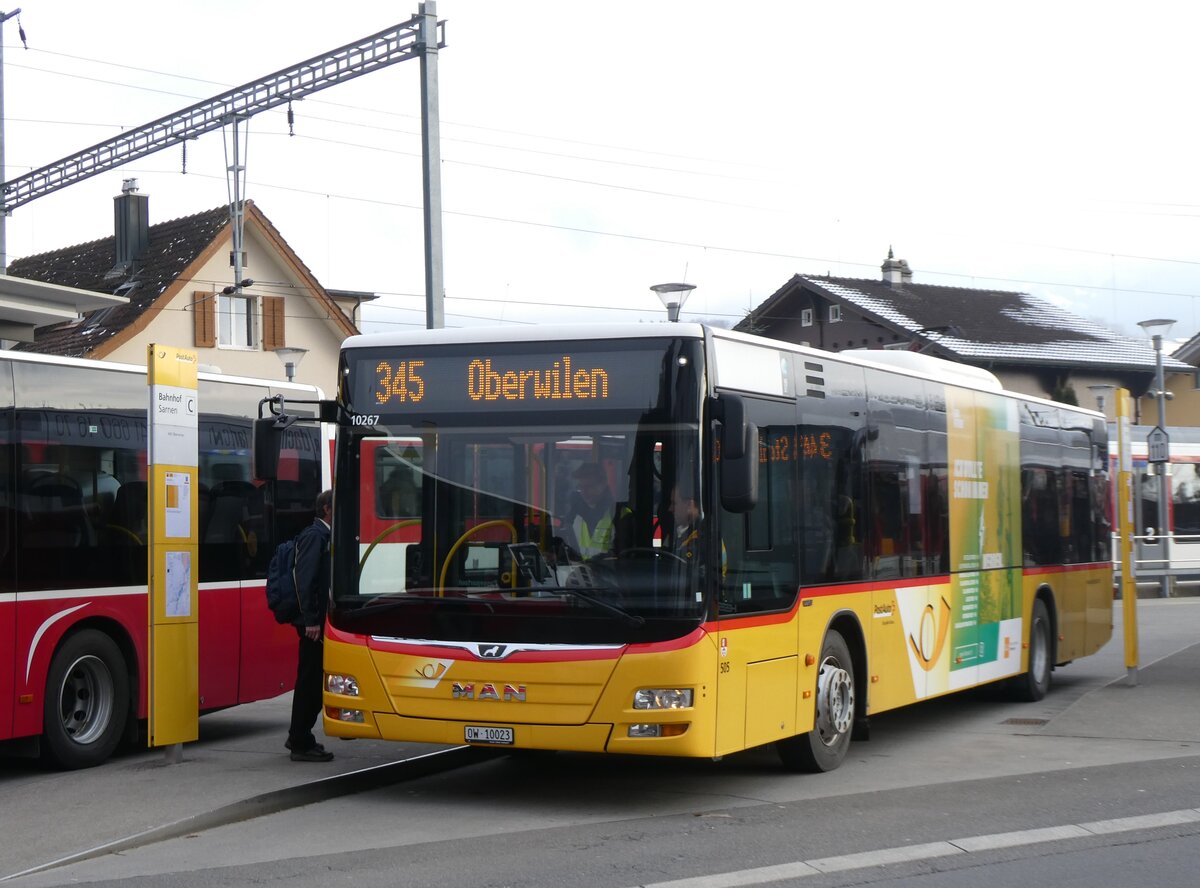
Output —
<point x="73" y="554"/>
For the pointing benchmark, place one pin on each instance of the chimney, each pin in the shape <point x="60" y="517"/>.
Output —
<point x="895" y="271"/>
<point x="131" y="222"/>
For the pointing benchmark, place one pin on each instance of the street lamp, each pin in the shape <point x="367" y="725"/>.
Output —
<point x="1158" y="441"/>
<point x="1101" y="391"/>
<point x="673" y="296"/>
<point x="291" y="358"/>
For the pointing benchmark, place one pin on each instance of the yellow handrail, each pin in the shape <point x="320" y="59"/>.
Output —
<point x="407" y="522"/>
<point x="441" y="589"/>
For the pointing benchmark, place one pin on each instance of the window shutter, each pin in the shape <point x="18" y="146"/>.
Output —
<point x="272" y="322"/>
<point x="204" y="319"/>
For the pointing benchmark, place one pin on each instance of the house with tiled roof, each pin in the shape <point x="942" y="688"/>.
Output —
<point x="1030" y="344"/>
<point x="178" y="282"/>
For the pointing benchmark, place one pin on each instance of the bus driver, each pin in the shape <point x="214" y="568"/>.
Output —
<point x="591" y="513"/>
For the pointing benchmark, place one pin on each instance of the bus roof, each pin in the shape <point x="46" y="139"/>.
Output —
<point x="209" y="374"/>
<point x="525" y="333"/>
<point x="903" y="362"/>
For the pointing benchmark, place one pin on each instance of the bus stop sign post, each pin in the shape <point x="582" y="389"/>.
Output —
<point x="1158" y="445"/>
<point x="1125" y="530"/>
<point x="173" y="684"/>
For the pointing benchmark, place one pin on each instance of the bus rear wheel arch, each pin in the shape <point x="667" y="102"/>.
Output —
<point x="824" y="747"/>
<point x="87" y="701"/>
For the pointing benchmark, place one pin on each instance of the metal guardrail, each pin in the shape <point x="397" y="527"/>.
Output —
<point x="1173" y="563"/>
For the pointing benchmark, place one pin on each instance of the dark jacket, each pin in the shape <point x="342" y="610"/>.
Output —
<point x="312" y="573"/>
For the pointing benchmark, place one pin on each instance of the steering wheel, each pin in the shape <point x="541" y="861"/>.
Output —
<point x="653" y="553"/>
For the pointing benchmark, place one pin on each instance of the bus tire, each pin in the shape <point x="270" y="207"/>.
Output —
<point x="824" y="747"/>
<point x="1031" y="686"/>
<point x="87" y="701"/>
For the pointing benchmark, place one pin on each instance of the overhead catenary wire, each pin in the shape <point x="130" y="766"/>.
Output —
<point x="664" y="194"/>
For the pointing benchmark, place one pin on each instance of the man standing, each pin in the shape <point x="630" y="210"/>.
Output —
<point x="311" y="575"/>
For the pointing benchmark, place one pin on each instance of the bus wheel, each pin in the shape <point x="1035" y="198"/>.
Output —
<point x="1033" y="685"/>
<point x="824" y="747"/>
<point x="87" y="701"/>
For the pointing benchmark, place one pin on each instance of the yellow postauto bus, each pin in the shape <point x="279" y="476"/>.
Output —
<point x="780" y="541"/>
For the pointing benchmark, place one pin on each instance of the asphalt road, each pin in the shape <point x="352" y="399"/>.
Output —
<point x="1098" y="784"/>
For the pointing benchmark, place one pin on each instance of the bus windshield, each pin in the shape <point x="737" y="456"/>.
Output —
<point x="562" y="523"/>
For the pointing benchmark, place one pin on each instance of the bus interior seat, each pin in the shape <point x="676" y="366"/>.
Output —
<point x="53" y="511"/>
<point x="129" y="513"/>
<point x="228" y="510"/>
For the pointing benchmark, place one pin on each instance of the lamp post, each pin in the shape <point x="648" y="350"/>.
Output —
<point x="291" y="358"/>
<point x="4" y="16"/>
<point x="1101" y="391"/>
<point x="1158" y="443"/>
<point x="673" y="296"/>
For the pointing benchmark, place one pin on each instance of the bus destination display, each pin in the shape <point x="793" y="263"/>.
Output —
<point x="392" y="383"/>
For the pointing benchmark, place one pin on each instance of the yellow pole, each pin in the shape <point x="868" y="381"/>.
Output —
<point x="173" y="640"/>
<point x="1125" y="531"/>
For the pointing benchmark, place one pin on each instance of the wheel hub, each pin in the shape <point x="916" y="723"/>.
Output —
<point x="86" y="699"/>
<point x="835" y="701"/>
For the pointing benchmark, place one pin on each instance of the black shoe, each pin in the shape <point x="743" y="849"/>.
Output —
<point x="317" y="746"/>
<point x="315" y="753"/>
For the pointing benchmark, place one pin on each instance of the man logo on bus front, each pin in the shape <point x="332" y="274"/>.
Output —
<point x="492" y="651"/>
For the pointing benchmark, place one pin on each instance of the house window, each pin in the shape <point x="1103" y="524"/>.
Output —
<point x="235" y="317"/>
<point x="806" y="317"/>
<point x="1196" y="379"/>
<point x="835" y="313"/>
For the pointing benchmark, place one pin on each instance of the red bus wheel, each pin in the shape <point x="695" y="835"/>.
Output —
<point x="87" y="701"/>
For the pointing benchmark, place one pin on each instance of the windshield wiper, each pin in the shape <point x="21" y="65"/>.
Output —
<point x="583" y="595"/>
<point x="392" y="601"/>
<point x="387" y="602"/>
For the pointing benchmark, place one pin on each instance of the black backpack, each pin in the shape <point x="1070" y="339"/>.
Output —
<point x="282" y="597"/>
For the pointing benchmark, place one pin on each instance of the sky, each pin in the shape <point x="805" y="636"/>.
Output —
<point x="591" y="150"/>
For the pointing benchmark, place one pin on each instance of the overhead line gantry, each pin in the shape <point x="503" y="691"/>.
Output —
<point x="421" y="37"/>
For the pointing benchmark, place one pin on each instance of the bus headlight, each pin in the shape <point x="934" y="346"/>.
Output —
<point x="346" y="685"/>
<point x="662" y="698"/>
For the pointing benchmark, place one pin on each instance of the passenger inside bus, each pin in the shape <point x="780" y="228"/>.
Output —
<point x="400" y="494"/>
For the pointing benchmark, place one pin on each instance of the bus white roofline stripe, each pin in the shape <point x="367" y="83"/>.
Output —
<point x="116" y="591"/>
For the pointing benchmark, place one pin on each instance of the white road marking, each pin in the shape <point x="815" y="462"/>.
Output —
<point x="908" y="853"/>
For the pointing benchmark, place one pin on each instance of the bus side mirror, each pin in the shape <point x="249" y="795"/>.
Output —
<point x="733" y="421"/>
<point x="265" y="443"/>
<point x="739" y="477"/>
<point x="739" y="456"/>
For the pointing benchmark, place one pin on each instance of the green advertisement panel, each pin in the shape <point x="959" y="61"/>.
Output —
<point x="985" y="530"/>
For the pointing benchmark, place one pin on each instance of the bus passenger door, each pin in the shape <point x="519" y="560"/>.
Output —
<point x="756" y="562"/>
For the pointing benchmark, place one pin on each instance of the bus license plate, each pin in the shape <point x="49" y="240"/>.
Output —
<point x="498" y="736"/>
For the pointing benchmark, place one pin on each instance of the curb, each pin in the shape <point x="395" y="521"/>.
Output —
<point x="282" y="800"/>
